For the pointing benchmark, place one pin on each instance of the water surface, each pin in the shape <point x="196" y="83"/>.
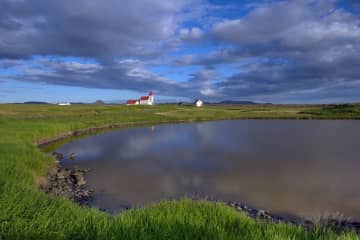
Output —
<point x="296" y="167"/>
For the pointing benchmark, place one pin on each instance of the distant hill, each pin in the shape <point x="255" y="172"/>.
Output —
<point x="35" y="102"/>
<point x="76" y="103"/>
<point x="237" y="102"/>
<point x="225" y="102"/>
<point x="99" y="102"/>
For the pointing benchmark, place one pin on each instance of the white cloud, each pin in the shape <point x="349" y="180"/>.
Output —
<point x="293" y="23"/>
<point x="208" y="92"/>
<point x="192" y="34"/>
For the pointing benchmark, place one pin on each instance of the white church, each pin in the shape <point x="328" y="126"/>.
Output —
<point x="144" y="100"/>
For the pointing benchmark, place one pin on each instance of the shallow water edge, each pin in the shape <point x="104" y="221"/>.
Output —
<point x="336" y="224"/>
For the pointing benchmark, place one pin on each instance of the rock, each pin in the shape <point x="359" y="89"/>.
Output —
<point x="60" y="176"/>
<point x="58" y="155"/>
<point x="81" y="182"/>
<point x="69" y="183"/>
<point x="263" y="214"/>
<point x="337" y="225"/>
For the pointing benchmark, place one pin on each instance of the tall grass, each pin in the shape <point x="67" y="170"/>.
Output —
<point x="27" y="213"/>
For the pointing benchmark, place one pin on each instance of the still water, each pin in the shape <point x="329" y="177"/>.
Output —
<point x="296" y="167"/>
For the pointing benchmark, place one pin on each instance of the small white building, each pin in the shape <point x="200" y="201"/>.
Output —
<point x="64" y="104"/>
<point x="199" y="103"/>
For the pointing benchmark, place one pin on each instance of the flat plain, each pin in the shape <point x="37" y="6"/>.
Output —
<point x="28" y="213"/>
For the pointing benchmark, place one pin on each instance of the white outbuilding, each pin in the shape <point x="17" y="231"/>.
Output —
<point x="64" y="104"/>
<point x="199" y="103"/>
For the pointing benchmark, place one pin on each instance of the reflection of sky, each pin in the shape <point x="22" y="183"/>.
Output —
<point x="281" y="165"/>
<point x="82" y="151"/>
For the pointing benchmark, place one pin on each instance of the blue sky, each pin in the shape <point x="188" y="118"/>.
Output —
<point x="299" y="51"/>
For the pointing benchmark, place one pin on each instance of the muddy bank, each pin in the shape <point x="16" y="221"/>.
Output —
<point x="335" y="224"/>
<point x="68" y="182"/>
<point x="92" y="130"/>
<point x="46" y="141"/>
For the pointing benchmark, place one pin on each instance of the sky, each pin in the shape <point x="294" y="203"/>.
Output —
<point x="297" y="51"/>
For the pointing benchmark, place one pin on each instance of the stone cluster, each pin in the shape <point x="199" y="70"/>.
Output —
<point x="68" y="182"/>
<point x="336" y="224"/>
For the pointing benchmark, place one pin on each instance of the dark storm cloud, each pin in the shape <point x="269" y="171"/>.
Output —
<point x="294" y="46"/>
<point x="102" y="30"/>
<point x="272" y="77"/>
<point x="299" y="26"/>
<point x="115" y="75"/>
<point x="86" y="28"/>
<point x="355" y="4"/>
<point x="287" y="48"/>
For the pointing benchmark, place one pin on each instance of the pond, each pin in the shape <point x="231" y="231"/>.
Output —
<point x="297" y="167"/>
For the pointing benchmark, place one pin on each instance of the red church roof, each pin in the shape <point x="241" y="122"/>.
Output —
<point x="144" y="98"/>
<point x="131" y="101"/>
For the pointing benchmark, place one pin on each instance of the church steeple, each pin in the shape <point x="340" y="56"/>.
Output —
<point x="151" y="97"/>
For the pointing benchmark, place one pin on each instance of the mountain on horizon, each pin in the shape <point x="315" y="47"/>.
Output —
<point x="35" y="102"/>
<point x="237" y="102"/>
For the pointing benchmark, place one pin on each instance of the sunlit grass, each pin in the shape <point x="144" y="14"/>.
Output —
<point x="26" y="213"/>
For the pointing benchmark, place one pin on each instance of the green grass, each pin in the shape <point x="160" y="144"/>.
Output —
<point x="27" y="213"/>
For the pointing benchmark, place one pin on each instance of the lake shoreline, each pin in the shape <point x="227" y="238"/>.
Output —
<point x="71" y="183"/>
<point x="63" y="181"/>
<point x="43" y="142"/>
<point x="28" y="212"/>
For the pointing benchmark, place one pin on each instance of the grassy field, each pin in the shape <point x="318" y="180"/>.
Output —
<point x="27" y="213"/>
